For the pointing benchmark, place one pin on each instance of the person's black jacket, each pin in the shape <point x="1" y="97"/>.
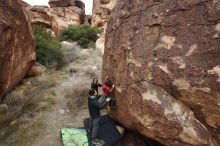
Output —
<point x="95" y="106"/>
<point x="96" y="86"/>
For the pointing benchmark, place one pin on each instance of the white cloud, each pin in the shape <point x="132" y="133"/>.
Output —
<point x="88" y="4"/>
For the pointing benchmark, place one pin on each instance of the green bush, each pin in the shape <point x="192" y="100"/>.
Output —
<point x="48" y="48"/>
<point x="84" y="35"/>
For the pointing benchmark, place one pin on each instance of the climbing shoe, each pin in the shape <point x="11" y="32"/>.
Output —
<point x="89" y="130"/>
<point x="98" y="142"/>
<point x="113" y="107"/>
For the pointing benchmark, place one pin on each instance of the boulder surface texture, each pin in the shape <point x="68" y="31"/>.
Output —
<point x="101" y="12"/>
<point x="164" y="58"/>
<point x="60" y="15"/>
<point x="17" y="54"/>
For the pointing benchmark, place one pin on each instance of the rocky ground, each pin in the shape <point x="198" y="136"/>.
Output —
<point x="40" y="106"/>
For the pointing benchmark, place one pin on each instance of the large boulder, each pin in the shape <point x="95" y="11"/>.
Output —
<point x="58" y="3"/>
<point x="62" y="3"/>
<point x="163" y="57"/>
<point x="38" y="15"/>
<point x="17" y="54"/>
<point x="25" y="4"/>
<point x="55" y="18"/>
<point x="101" y="12"/>
<point x="100" y="15"/>
<point x="65" y="16"/>
<point x="100" y="45"/>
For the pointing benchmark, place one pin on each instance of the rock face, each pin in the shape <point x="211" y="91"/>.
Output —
<point x="17" y="53"/>
<point x="37" y="70"/>
<point x="3" y="108"/>
<point x="38" y="15"/>
<point x="164" y="59"/>
<point x="66" y="16"/>
<point x="88" y="20"/>
<point x="100" y="15"/>
<point x="61" y="14"/>
<point x="61" y="3"/>
<point x="101" y="12"/>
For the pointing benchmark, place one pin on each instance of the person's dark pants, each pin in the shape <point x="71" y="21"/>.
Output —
<point x="90" y="124"/>
<point x="95" y="127"/>
<point x="112" y="103"/>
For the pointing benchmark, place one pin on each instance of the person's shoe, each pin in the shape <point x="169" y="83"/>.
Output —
<point x="102" y="142"/>
<point x="113" y="107"/>
<point x="98" y="142"/>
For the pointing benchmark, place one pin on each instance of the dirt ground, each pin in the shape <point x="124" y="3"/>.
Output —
<point x="39" y="107"/>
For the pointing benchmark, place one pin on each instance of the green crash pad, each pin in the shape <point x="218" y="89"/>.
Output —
<point x="74" y="137"/>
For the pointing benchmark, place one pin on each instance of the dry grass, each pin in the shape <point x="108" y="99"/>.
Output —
<point x="34" y="117"/>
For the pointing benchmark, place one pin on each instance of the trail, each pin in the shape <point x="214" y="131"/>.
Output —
<point x="62" y="103"/>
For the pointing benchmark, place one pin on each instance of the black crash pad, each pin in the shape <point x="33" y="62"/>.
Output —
<point x="107" y="131"/>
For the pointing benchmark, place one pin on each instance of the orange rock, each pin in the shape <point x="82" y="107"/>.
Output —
<point x="17" y="54"/>
<point x="61" y="15"/>
<point x="165" y="63"/>
<point x="101" y="12"/>
<point x="37" y="70"/>
<point x="58" y="3"/>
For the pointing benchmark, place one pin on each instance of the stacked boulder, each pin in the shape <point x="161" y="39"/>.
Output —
<point x="61" y="14"/>
<point x="100" y="15"/>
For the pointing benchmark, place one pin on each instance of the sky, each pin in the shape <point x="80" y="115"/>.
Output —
<point x="88" y="4"/>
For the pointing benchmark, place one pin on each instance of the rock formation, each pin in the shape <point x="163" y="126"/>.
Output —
<point x="88" y="20"/>
<point x="100" y="15"/>
<point x="61" y="3"/>
<point x="61" y="14"/>
<point x="25" y="4"/>
<point x="38" y="15"/>
<point x="37" y="70"/>
<point x="17" y="53"/>
<point x="163" y="57"/>
<point x="101" y="12"/>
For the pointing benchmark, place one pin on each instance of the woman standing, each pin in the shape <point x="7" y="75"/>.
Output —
<point x="95" y="85"/>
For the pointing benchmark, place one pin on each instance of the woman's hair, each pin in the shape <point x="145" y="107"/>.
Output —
<point x="108" y="83"/>
<point x="94" y="80"/>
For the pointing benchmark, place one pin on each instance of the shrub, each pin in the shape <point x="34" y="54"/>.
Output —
<point x="84" y="35"/>
<point x="48" y="48"/>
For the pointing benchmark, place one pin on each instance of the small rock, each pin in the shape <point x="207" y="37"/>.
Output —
<point x="37" y="70"/>
<point x="3" y="108"/>
<point x="156" y="15"/>
<point x="13" y="122"/>
<point x="61" y="111"/>
<point x="215" y="36"/>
